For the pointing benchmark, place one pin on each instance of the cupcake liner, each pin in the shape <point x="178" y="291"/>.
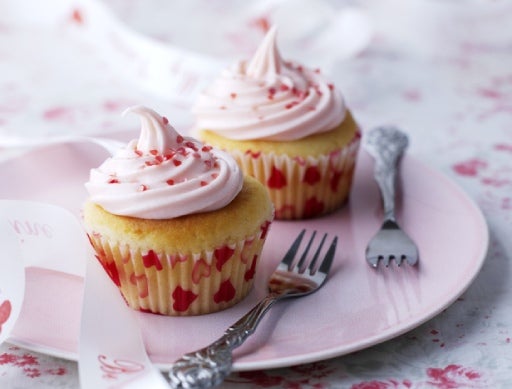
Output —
<point x="302" y="188"/>
<point x="185" y="283"/>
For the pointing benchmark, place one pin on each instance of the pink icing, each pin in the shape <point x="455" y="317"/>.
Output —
<point x="270" y="99"/>
<point x="164" y="175"/>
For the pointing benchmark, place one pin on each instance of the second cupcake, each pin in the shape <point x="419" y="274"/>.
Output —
<point x="286" y="126"/>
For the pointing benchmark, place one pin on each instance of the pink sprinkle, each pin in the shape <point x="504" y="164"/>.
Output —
<point x="233" y="95"/>
<point x="168" y="155"/>
<point x="490" y="93"/>
<point x="77" y="16"/>
<point x="272" y="91"/>
<point x="57" y="113"/>
<point x="142" y="188"/>
<point x="214" y="175"/>
<point x="191" y="145"/>
<point x="153" y="152"/>
<point x="222" y="107"/>
<point x="331" y="86"/>
<point x="503" y="147"/>
<point x="165" y="120"/>
<point x="284" y="88"/>
<point x="495" y="182"/>
<point x="179" y="139"/>
<point x="138" y="152"/>
<point x="291" y="105"/>
<point x="470" y="167"/>
<point x="412" y="95"/>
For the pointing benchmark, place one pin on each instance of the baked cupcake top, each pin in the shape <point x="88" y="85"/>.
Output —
<point x="163" y="175"/>
<point x="267" y="98"/>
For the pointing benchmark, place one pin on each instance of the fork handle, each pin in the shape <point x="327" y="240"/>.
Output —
<point x="387" y="145"/>
<point x="209" y="366"/>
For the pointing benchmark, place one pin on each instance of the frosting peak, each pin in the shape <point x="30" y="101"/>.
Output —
<point x="152" y="133"/>
<point x="163" y="175"/>
<point x="266" y="61"/>
<point x="267" y="98"/>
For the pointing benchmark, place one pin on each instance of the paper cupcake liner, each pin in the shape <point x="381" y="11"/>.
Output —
<point x="302" y="188"/>
<point x="184" y="283"/>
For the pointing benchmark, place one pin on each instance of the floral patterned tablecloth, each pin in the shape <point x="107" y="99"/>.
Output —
<point x="442" y="71"/>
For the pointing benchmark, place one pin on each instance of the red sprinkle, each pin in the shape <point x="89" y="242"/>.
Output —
<point x="153" y="152"/>
<point x="170" y="182"/>
<point x="179" y="139"/>
<point x="206" y="148"/>
<point x="142" y="188"/>
<point x="191" y="145"/>
<point x="331" y="86"/>
<point x="233" y="95"/>
<point x="176" y="162"/>
<point x="291" y="105"/>
<point x="165" y="120"/>
<point x="284" y="88"/>
<point x="113" y="181"/>
<point x="204" y="183"/>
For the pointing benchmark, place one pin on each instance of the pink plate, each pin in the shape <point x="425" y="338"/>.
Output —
<point x="358" y="307"/>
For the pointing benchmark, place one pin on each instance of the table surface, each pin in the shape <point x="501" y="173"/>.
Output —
<point x="441" y="71"/>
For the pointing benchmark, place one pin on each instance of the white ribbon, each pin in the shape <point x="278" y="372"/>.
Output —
<point x="111" y="353"/>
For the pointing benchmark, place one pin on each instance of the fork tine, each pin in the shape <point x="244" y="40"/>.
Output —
<point x="325" y="266"/>
<point x="312" y="265"/>
<point x="301" y="265"/>
<point x="290" y="254"/>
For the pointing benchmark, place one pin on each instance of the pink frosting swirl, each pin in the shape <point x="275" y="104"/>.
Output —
<point x="269" y="99"/>
<point x="164" y="175"/>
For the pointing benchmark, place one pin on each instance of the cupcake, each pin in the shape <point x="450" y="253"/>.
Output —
<point x="286" y="126"/>
<point x="174" y="222"/>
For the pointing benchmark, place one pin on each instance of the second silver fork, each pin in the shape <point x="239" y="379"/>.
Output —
<point x="387" y="145"/>
<point x="209" y="366"/>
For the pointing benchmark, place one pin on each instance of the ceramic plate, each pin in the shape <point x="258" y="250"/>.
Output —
<point x="358" y="307"/>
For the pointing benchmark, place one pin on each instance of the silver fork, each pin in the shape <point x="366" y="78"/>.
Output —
<point x="387" y="145"/>
<point x="209" y="366"/>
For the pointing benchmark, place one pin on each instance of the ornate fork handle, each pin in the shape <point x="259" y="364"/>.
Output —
<point x="209" y="366"/>
<point x="387" y="145"/>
